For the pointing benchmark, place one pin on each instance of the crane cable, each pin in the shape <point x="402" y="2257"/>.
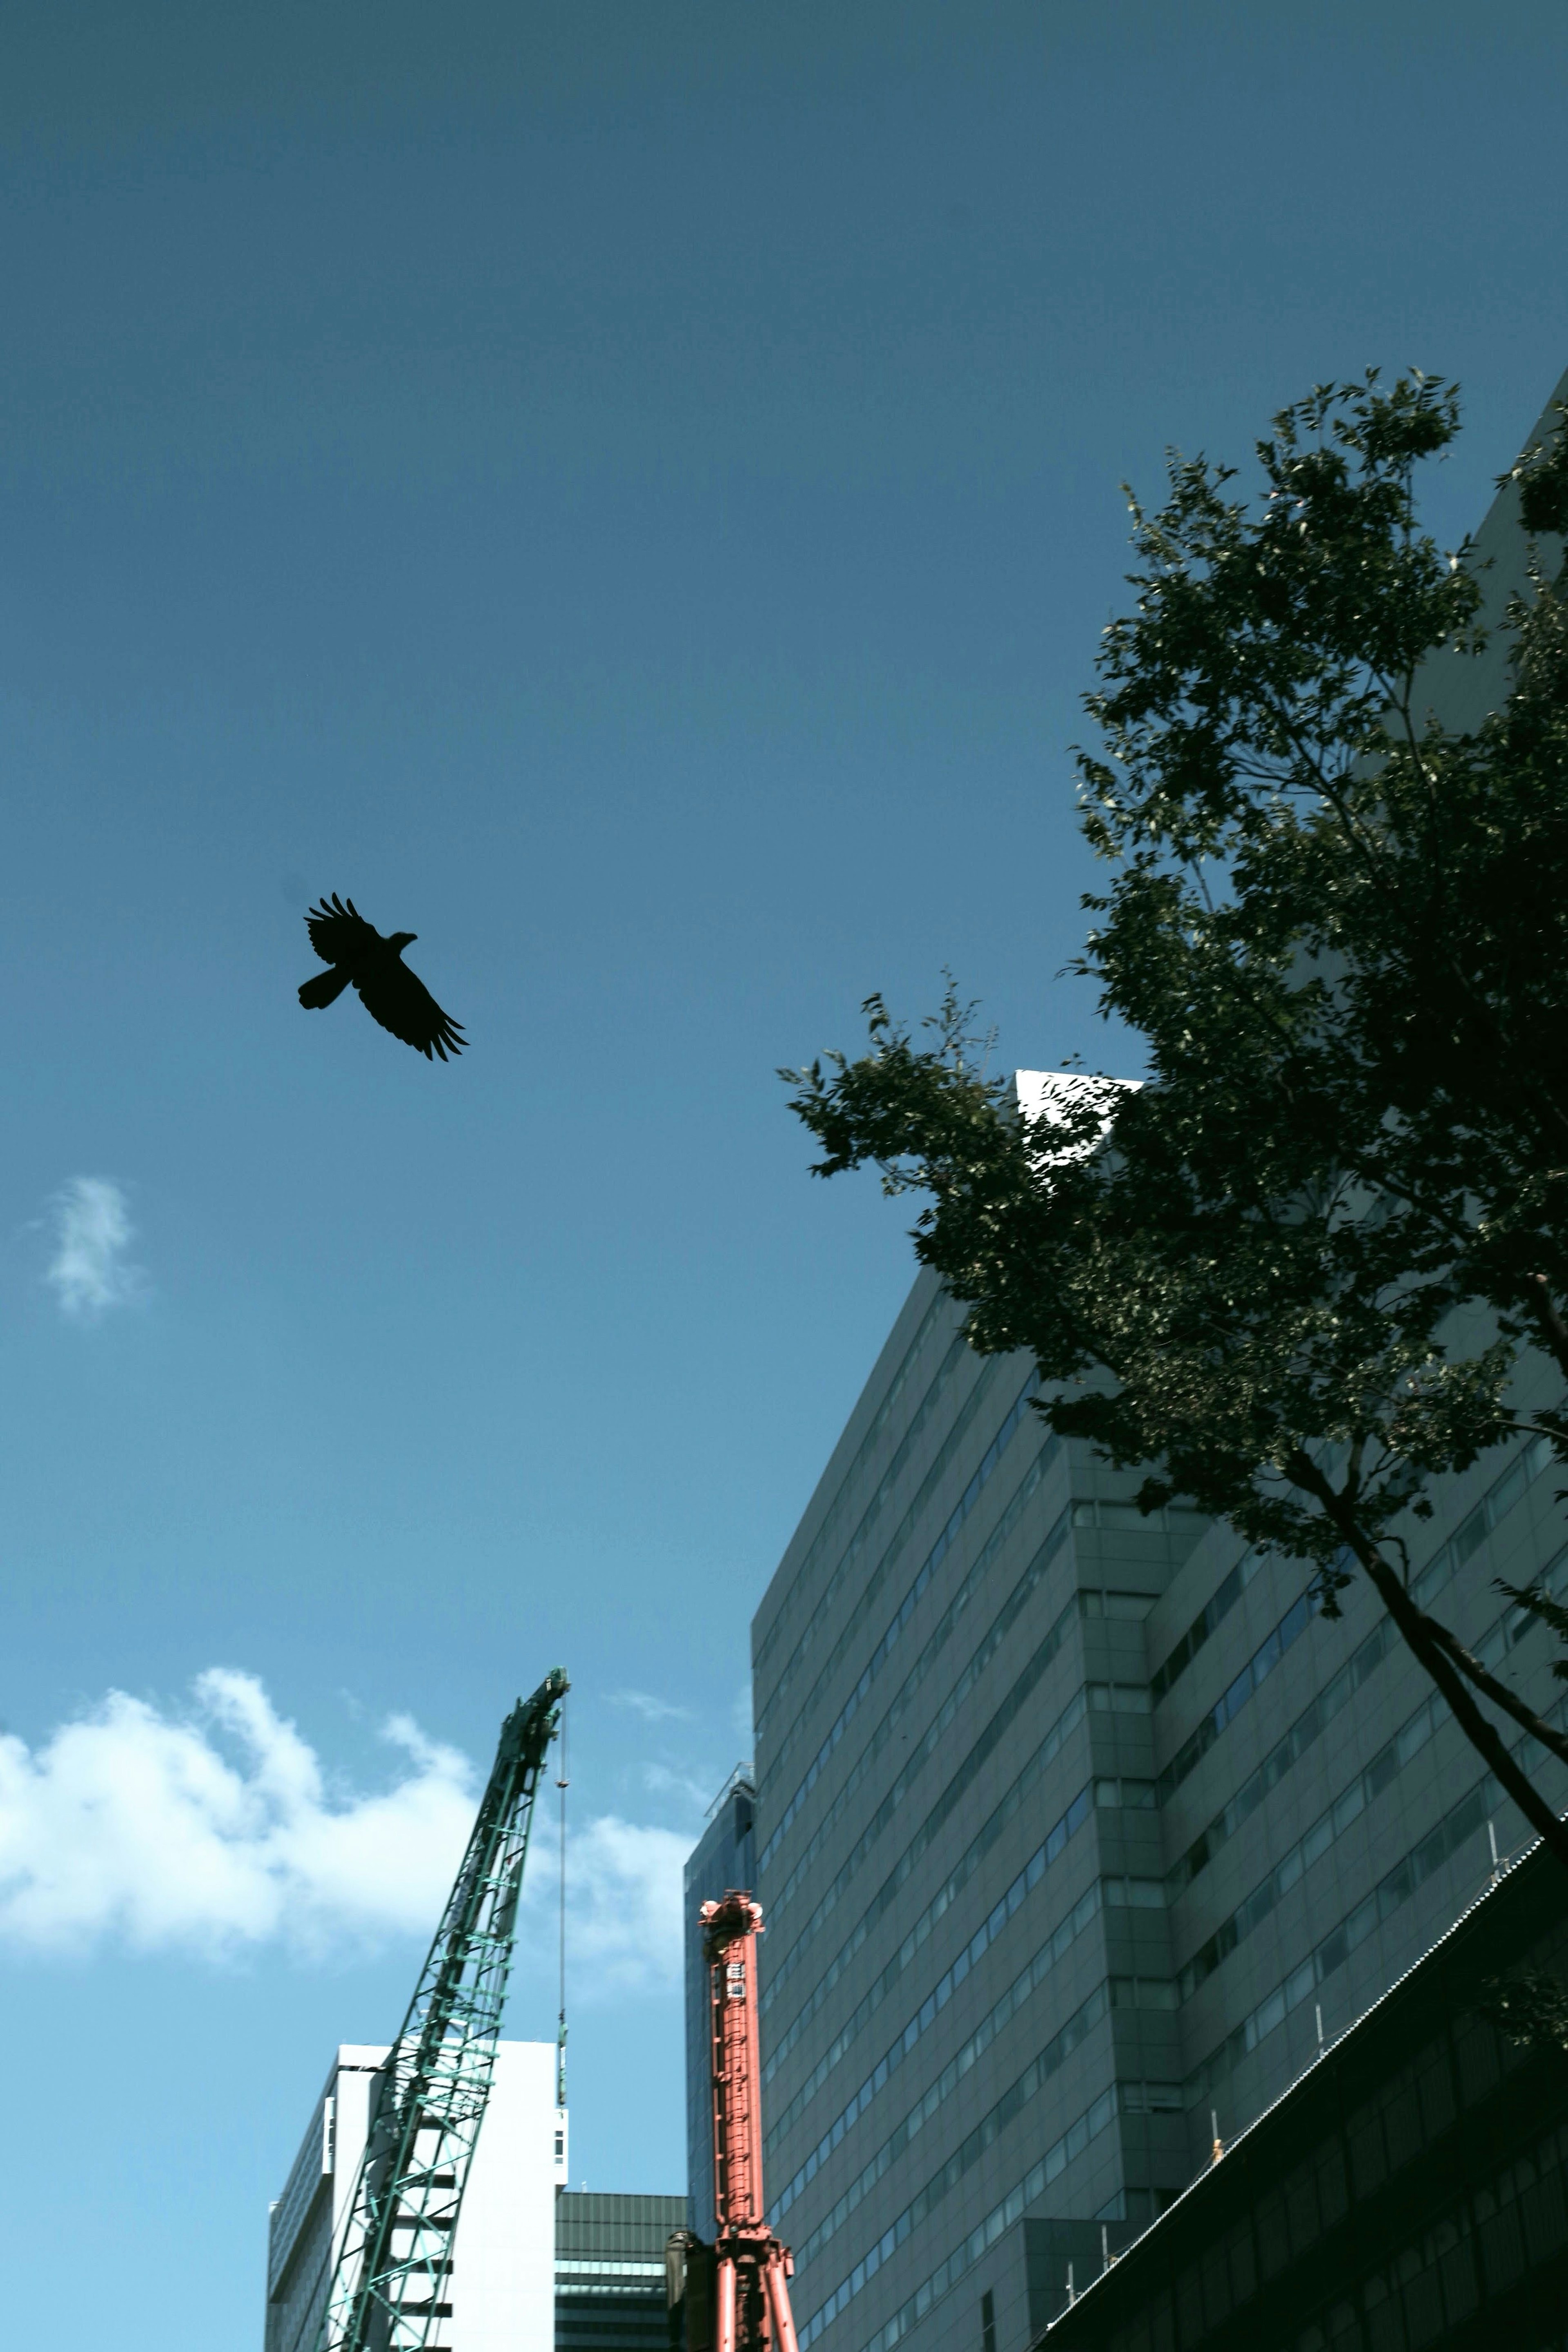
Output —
<point x="563" y="1783"/>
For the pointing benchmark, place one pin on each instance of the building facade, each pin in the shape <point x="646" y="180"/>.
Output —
<point x="1410" y="2188"/>
<point x="966" y="1968"/>
<point x="1078" y="1832"/>
<point x="609" y="2271"/>
<point x="500" y="2294"/>
<point x="724" y="1856"/>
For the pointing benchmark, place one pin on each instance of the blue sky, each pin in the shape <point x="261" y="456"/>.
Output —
<point x="629" y="494"/>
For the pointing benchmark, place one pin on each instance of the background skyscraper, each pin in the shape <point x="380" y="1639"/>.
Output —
<point x="609" y="2271"/>
<point x="501" y="2290"/>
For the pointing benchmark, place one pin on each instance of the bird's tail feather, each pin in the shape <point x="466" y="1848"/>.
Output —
<point x="323" y="988"/>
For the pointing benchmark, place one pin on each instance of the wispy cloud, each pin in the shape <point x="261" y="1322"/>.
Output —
<point x="624" y="1905"/>
<point x="650" y="1709"/>
<point x="663" y="1780"/>
<point x="90" y="1271"/>
<point x="217" y="1830"/>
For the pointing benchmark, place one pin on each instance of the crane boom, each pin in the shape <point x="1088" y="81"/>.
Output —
<point x="752" y="2296"/>
<point x="396" y="2248"/>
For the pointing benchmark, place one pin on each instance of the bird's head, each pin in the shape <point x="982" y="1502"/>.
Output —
<point x="401" y="940"/>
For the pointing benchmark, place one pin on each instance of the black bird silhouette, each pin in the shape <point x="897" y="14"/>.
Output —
<point x="390" y="993"/>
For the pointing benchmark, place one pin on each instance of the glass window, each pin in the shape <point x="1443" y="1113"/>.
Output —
<point x="1469" y="1538"/>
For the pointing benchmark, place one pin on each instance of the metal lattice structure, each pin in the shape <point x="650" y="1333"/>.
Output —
<point x="396" y="2248"/>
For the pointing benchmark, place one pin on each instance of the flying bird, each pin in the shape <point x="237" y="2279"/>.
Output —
<point x="390" y="993"/>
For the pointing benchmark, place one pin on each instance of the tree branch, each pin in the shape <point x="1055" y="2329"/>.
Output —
<point x="1418" y="1631"/>
<point x="1499" y="1693"/>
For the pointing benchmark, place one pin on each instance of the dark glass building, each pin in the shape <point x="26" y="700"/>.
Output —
<point x="609" y="2271"/>
<point x="1411" y="2188"/>
<point x="725" y="1856"/>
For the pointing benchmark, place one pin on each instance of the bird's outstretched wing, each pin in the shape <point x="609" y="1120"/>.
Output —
<point x="400" y="1002"/>
<point x="338" y="932"/>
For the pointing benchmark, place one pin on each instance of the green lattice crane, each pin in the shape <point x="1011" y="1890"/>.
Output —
<point x="396" y="2249"/>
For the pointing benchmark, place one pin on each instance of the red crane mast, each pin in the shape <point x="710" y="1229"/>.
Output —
<point x="752" y="2268"/>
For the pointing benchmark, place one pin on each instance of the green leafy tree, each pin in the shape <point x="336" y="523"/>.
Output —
<point x="1292" y="1275"/>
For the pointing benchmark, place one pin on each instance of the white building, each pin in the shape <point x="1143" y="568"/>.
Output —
<point x="501" y="2288"/>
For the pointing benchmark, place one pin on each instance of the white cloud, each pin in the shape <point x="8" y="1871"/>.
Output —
<point x="650" y="1709"/>
<point x="665" y="1781"/>
<point x="90" y="1270"/>
<point x="624" y="1902"/>
<point x="216" y="1830"/>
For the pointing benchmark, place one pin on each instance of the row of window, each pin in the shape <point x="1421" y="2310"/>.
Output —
<point x="1499" y="1499"/>
<point x="968" y="1863"/>
<point x="978" y="1755"/>
<point x="942" y="1462"/>
<point x="1215" y="1610"/>
<point x="1034" y="1972"/>
<point x="1139" y="2098"/>
<point x="1410" y="1872"/>
<point x="1048" y="1850"/>
<point x="1494" y="1645"/>
<point x="1093" y="1602"/>
<point x="1148" y="1993"/>
<point x="571" y="2266"/>
<point x="978" y="1480"/>
<point x="1332" y="1822"/>
<point x="1094" y="1698"/>
<point x="1287" y="1752"/>
<point x="1495" y="1504"/>
<point x="928" y="1744"/>
<point x="1116" y="1993"/>
<point x="885" y="1487"/>
<point x="1149" y="2098"/>
<point x="1069" y="2036"/>
<point x="1231" y="1702"/>
<point x="1462" y="1823"/>
<point x="612" y="2321"/>
<point x="1504" y="1492"/>
<point x="1391" y="1758"/>
<point x="938" y="1311"/>
<point x="311" y="2167"/>
<point x="1399" y="1883"/>
<point x="913" y="1944"/>
<point x="1118" y="1891"/>
<point x="1171" y="1518"/>
<point x="930" y="1651"/>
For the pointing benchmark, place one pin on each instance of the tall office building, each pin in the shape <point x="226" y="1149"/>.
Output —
<point x="609" y="2271"/>
<point x="500" y="2295"/>
<point x="724" y="1856"/>
<point x="1075" y="1828"/>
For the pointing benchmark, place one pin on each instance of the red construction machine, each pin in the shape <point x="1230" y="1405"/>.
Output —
<point x="733" y="2296"/>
